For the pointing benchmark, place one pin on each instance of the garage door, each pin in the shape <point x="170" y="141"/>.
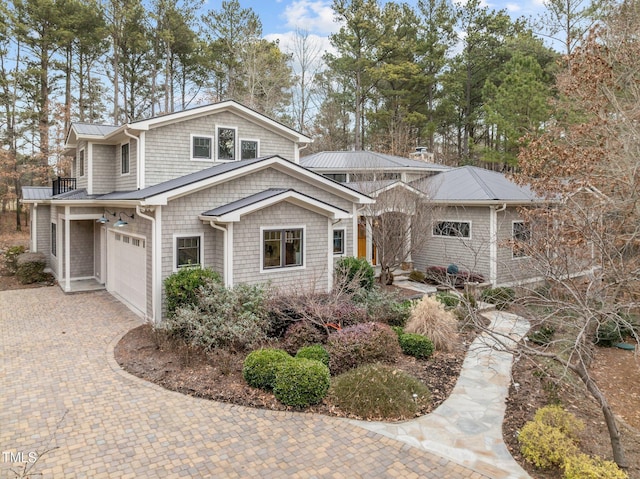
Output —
<point x="127" y="276"/>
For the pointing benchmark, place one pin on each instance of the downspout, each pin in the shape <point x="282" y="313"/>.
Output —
<point x="225" y="266"/>
<point x="34" y="228"/>
<point x="133" y="137"/>
<point x="300" y="148"/>
<point x="493" y="242"/>
<point x="154" y="273"/>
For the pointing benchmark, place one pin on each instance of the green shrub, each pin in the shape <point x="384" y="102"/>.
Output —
<point x="416" y="345"/>
<point x="259" y="368"/>
<point x="301" y="382"/>
<point x="181" y="288"/>
<point x="545" y="446"/>
<point x="376" y="391"/>
<point x="362" y="343"/>
<point x="430" y="318"/>
<point x="501" y="297"/>
<point x="582" y="466"/>
<point x="315" y="352"/>
<point x="352" y="273"/>
<point x="399" y="330"/>
<point x="11" y="258"/>
<point x="449" y="300"/>
<point x="417" y="276"/>
<point x="469" y="300"/>
<point x="302" y="333"/>
<point x="555" y="416"/>
<point x="30" y="267"/>
<point x="385" y="307"/>
<point x="234" y="319"/>
<point x="611" y="332"/>
<point x="542" y="336"/>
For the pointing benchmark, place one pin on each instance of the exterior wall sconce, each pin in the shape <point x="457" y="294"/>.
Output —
<point x="120" y="223"/>
<point x="103" y="219"/>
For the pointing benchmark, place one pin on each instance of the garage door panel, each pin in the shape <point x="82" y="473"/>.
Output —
<point x="128" y="269"/>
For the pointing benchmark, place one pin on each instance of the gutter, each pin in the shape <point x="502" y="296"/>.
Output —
<point x="155" y="241"/>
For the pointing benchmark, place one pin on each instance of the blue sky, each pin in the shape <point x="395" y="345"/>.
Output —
<point x="280" y="18"/>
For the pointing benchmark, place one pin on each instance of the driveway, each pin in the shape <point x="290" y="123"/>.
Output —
<point x="60" y="389"/>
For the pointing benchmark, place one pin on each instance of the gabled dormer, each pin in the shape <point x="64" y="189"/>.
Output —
<point x="147" y="152"/>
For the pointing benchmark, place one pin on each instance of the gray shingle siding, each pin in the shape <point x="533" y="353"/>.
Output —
<point x="469" y="254"/>
<point x="82" y="258"/>
<point x="510" y="269"/>
<point x="168" y="148"/>
<point x="103" y="158"/>
<point x="43" y="227"/>
<point x="82" y="181"/>
<point x="128" y="181"/>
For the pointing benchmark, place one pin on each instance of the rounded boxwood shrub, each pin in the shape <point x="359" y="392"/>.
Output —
<point x="259" y="368"/>
<point x="399" y="330"/>
<point x="360" y="344"/>
<point x="377" y="391"/>
<point x="555" y="416"/>
<point x="301" y="382"/>
<point x="545" y="446"/>
<point x="181" y="288"/>
<point x="582" y="466"/>
<point x="501" y="297"/>
<point x="350" y="269"/>
<point x="416" y="345"/>
<point x="316" y="352"/>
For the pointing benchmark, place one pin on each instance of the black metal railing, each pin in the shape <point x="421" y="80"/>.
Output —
<point x="62" y="185"/>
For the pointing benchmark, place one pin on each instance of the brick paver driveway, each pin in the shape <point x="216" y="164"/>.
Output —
<point x="59" y="387"/>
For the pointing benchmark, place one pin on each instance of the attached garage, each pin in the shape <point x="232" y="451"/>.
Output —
<point x="127" y="270"/>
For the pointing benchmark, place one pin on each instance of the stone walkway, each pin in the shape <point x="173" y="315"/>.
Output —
<point x="60" y="389"/>
<point x="467" y="427"/>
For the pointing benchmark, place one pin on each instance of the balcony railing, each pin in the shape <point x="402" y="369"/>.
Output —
<point x="62" y="185"/>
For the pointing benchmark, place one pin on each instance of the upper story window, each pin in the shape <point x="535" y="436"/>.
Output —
<point x="226" y="144"/>
<point x="201" y="147"/>
<point x="124" y="159"/>
<point x="521" y="237"/>
<point x="81" y="161"/>
<point x="248" y="149"/>
<point x="453" y="229"/>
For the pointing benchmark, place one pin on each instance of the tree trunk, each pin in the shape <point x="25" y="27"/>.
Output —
<point x="614" y="433"/>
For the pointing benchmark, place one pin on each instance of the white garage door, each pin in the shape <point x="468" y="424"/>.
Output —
<point x="127" y="276"/>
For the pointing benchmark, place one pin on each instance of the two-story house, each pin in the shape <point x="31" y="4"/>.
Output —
<point x="218" y="186"/>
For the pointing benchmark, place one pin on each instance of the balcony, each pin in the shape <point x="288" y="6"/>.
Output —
<point x="62" y="185"/>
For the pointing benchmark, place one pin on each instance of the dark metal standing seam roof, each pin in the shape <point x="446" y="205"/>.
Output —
<point x="358" y="160"/>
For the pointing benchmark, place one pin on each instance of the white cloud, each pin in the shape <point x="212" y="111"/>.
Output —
<point x="312" y="15"/>
<point x="512" y="7"/>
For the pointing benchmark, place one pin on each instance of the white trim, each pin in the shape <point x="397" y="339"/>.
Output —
<point x="140" y="161"/>
<point x="157" y="259"/>
<point x="277" y="162"/>
<point x="229" y="255"/>
<point x="67" y="249"/>
<point x="217" y="143"/>
<point x="280" y="269"/>
<point x="128" y="143"/>
<point x="330" y="254"/>
<point x="89" y="166"/>
<point x="354" y="232"/>
<point x="452" y="237"/>
<point x="513" y="256"/>
<point x="493" y="245"/>
<point x="292" y="197"/>
<point x="211" y="147"/>
<point x="34" y="228"/>
<point x="256" y="141"/>
<point x="177" y="236"/>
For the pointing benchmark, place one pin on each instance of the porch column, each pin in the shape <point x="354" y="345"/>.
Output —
<point x="67" y="249"/>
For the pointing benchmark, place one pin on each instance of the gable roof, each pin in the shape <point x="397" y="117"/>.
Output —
<point x="162" y="192"/>
<point x="470" y="184"/>
<point x="232" y="212"/>
<point x="365" y="160"/>
<point x="105" y="132"/>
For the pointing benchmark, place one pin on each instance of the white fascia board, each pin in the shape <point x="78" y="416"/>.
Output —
<point x="281" y="164"/>
<point x="288" y="196"/>
<point x="399" y="184"/>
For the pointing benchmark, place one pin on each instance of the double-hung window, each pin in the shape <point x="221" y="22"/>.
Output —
<point x="124" y="159"/>
<point x="188" y="251"/>
<point x="282" y="248"/>
<point x="226" y="144"/>
<point x="338" y="241"/>
<point x="201" y="147"/>
<point x="81" y="162"/>
<point x="521" y="238"/>
<point x="248" y="149"/>
<point x="452" y="229"/>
